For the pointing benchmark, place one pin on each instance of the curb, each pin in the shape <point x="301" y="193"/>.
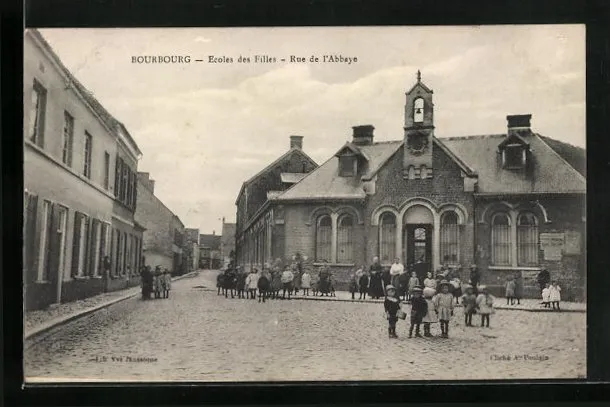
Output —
<point x="71" y="317"/>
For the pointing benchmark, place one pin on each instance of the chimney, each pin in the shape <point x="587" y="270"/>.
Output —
<point x="519" y="124"/>
<point x="363" y="135"/>
<point x="296" y="142"/>
<point x="213" y="233"/>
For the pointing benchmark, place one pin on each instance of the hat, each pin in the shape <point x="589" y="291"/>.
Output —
<point x="417" y="288"/>
<point x="390" y="287"/>
<point x="444" y="282"/>
<point x="429" y="291"/>
<point x="482" y="287"/>
<point x="467" y="287"/>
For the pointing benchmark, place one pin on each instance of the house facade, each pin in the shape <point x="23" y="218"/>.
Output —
<point x="227" y="243"/>
<point x="191" y="249"/>
<point x="509" y="203"/>
<point x="253" y="230"/>
<point x="78" y="206"/>
<point x="209" y="251"/>
<point x="164" y="236"/>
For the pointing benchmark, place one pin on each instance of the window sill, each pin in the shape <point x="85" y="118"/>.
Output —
<point x="513" y="268"/>
<point x="80" y="277"/>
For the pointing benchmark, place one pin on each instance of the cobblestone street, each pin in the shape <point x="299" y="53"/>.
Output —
<point x="196" y="335"/>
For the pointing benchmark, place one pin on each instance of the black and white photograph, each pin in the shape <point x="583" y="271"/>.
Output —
<point x="276" y="204"/>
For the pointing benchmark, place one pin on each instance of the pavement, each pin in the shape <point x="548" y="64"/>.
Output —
<point x="196" y="335"/>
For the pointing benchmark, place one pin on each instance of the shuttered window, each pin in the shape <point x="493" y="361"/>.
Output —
<point x="387" y="237"/>
<point x="527" y="239"/>
<point x="68" y="139"/>
<point x="323" y="238"/>
<point x="88" y="155"/>
<point x="37" y="114"/>
<point x="449" y="238"/>
<point x="500" y="239"/>
<point x="345" y="247"/>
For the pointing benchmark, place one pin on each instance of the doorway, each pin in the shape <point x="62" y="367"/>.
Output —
<point x="418" y="248"/>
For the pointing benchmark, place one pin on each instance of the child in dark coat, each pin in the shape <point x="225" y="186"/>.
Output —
<point x="363" y="283"/>
<point x="419" y="309"/>
<point x="391" y="304"/>
<point x="353" y="285"/>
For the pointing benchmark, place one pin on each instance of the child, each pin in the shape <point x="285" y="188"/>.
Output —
<point x="457" y="289"/>
<point x="429" y="281"/>
<point x="157" y="282"/>
<point x="413" y="282"/>
<point x="555" y="295"/>
<point x="443" y="303"/>
<point x="242" y="282"/>
<point x="287" y="278"/>
<point x="419" y="309"/>
<point x="485" y="305"/>
<point x="363" y="283"/>
<point x="263" y="285"/>
<point x="353" y="285"/>
<point x="469" y="302"/>
<point x="306" y="282"/>
<point x="391" y="304"/>
<point x="430" y="317"/>
<point x="510" y="290"/>
<point x="253" y="283"/>
<point x="315" y="284"/>
<point x="168" y="283"/>
<point x="546" y="296"/>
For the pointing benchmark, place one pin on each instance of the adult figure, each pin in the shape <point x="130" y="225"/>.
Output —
<point x="475" y="278"/>
<point x="375" y="282"/>
<point x="147" y="282"/>
<point x="543" y="278"/>
<point x="106" y="267"/>
<point x="287" y="277"/>
<point x="420" y="269"/>
<point x="386" y="278"/>
<point x="395" y="271"/>
<point x="296" y="282"/>
<point x="263" y="284"/>
<point x="518" y="286"/>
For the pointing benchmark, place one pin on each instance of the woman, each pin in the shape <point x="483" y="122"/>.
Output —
<point x="147" y="283"/>
<point x="395" y="271"/>
<point x="518" y="287"/>
<point x="375" y="282"/>
<point x="296" y="282"/>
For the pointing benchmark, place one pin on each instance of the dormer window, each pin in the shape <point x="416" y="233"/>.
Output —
<point x="514" y="156"/>
<point x="347" y="165"/>
<point x="418" y="110"/>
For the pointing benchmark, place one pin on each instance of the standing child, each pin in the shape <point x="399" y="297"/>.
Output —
<point x="391" y="304"/>
<point x="363" y="284"/>
<point x="469" y="302"/>
<point x="353" y="285"/>
<point x="157" y="282"/>
<point x="457" y="289"/>
<point x="555" y="295"/>
<point x="485" y="305"/>
<point x="413" y="282"/>
<point x="306" y="282"/>
<point x="287" y="278"/>
<point x="168" y="283"/>
<point x="419" y="309"/>
<point x="546" y="295"/>
<point x="430" y="317"/>
<point x="315" y="284"/>
<point x="253" y="283"/>
<point x="443" y="303"/>
<point x="510" y="290"/>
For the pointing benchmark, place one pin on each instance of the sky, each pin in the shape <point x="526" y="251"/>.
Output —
<point x="204" y="128"/>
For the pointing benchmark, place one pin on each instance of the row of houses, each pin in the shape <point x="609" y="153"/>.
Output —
<point x="511" y="203"/>
<point x="91" y="220"/>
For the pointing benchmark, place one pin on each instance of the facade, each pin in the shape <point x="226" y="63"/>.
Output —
<point x="509" y="203"/>
<point x="209" y="251"/>
<point x="227" y="243"/>
<point x="191" y="249"/>
<point x="164" y="237"/>
<point x="80" y="194"/>
<point x="253" y="235"/>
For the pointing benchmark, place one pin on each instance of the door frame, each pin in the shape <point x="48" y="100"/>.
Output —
<point x="409" y="243"/>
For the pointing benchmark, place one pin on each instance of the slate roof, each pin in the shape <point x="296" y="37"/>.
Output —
<point x="325" y="182"/>
<point x="210" y="241"/>
<point x="575" y="156"/>
<point x="551" y="172"/>
<point x="292" y="177"/>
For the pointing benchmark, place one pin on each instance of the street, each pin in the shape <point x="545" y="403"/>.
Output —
<point x="196" y="335"/>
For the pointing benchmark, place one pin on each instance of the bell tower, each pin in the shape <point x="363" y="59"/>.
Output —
<point x="419" y="131"/>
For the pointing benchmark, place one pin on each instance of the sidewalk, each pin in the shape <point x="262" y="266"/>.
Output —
<point x="39" y="321"/>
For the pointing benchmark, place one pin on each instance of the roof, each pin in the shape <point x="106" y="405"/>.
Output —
<point x="210" y="241"/>
<point x="292" y="177"/>
<point x="551" y="172"/>
<point x="273" y="164"/>
<point x="325" y="182"/>
<point x="273" y="194"/>
<point x="110" y="121"/>
<point x="575" y="156"/>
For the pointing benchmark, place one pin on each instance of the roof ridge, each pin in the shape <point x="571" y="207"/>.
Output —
<point x="560" y="141"/>
<point x="470" y="137"/>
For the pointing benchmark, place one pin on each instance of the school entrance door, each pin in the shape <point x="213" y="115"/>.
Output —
<point x="418" y="250"/>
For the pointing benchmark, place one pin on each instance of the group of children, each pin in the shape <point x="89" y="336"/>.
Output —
<point x="429" y="307"/>
<point x="551" y="295"/>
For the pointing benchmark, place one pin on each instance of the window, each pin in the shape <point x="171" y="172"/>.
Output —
<point x="418" y="110"/>
<point x="345" y="249"/>
<point x="514" y="156"/>
<point x="37" y="114"/>
<point x="68" y="138"/>
<point x="45" y="242"/>
<point x="449" y="238"/>
<point x="117" y="176"/>
<point x="500" y="239"/>
<point x="29" y="234"/>
<point x="106" y="170"/>
<point x="80" y="244"/>
<point x="62" y="235"/>
<point x="347" y="165"/>
<point x="527" y="239"/>
<point x="323" y="238"/>
<point x="387" y="238"/>
<point x="88" y="147"/>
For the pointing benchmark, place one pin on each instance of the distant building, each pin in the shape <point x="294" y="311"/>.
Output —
<point x="191" y="249"/>
<point x="80" y="187"/>
<point x="164" y="235"/>
<point x="227" y="243"/>
<point x="513" y="204"/>
<point x="209" y="251"/>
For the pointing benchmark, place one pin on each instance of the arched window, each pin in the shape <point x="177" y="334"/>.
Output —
<point x="527" y="239"/>
<point x="449" y="238"/>
<point x="500" y="239"/>
<point x="387" y="238"/>
<point x="418" y="110"/>
<point x="345" y="248"/>
<point x="323" y="238"/>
